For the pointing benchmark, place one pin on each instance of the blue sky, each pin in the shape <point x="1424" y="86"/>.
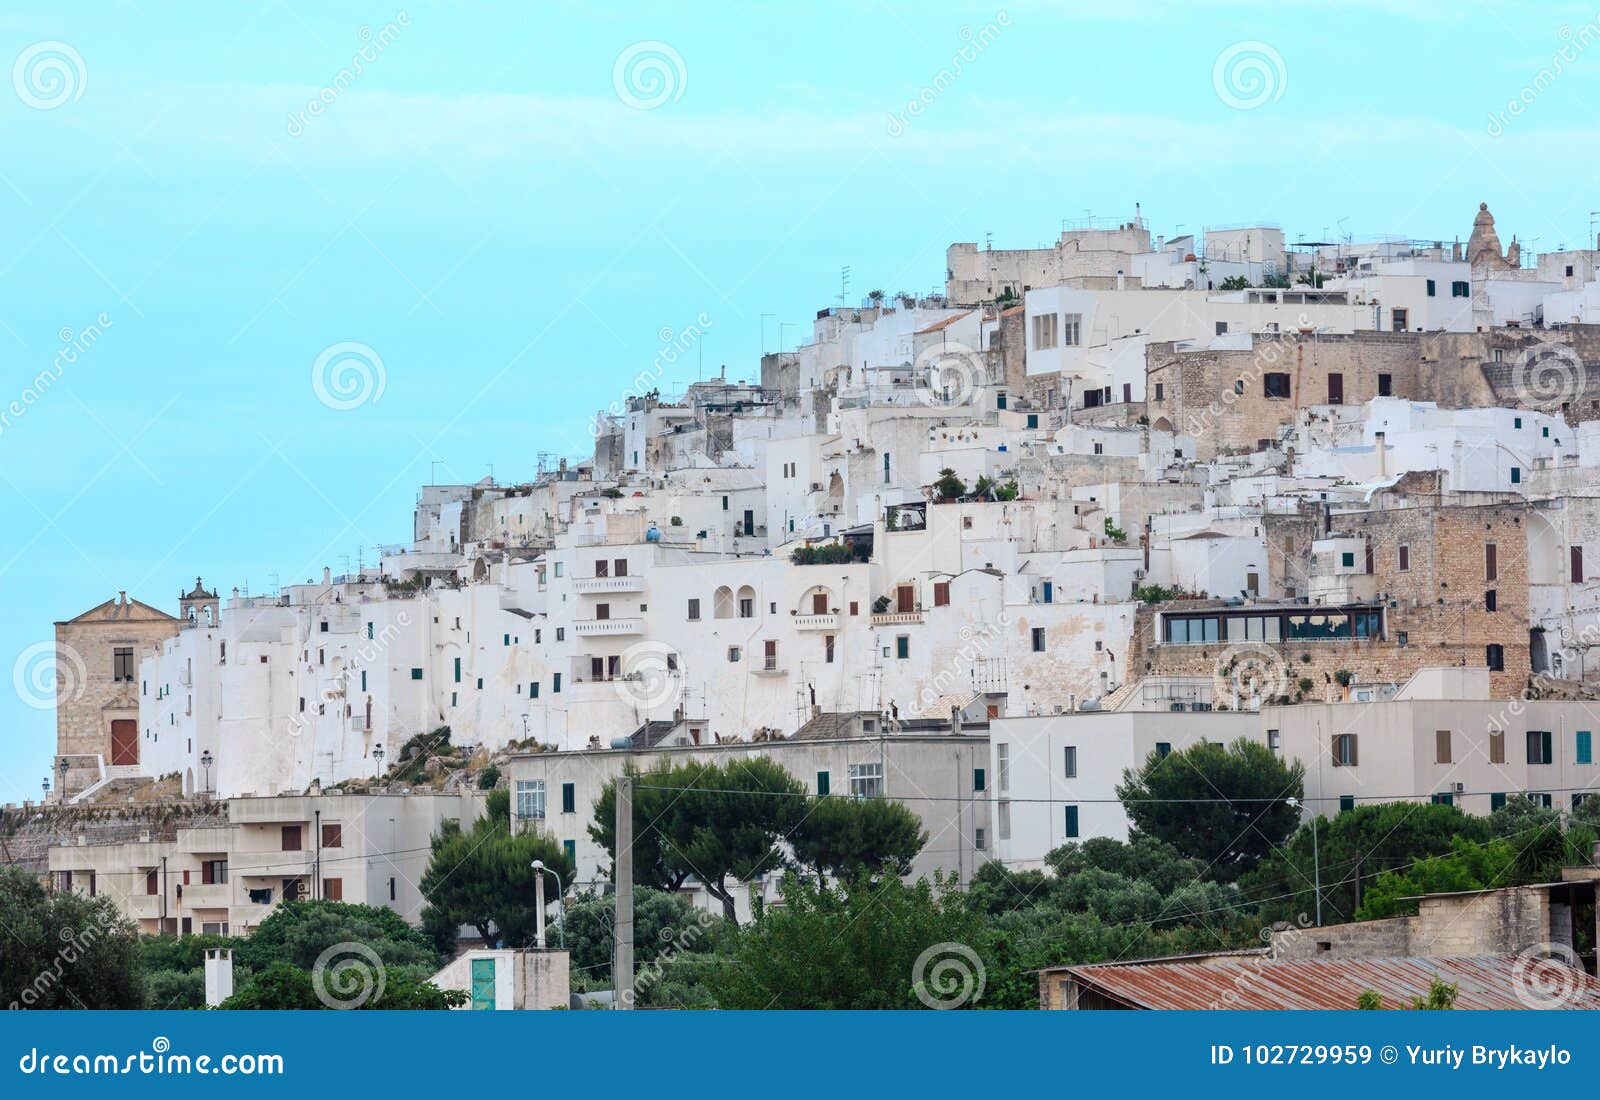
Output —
<point x="511" y="225"/>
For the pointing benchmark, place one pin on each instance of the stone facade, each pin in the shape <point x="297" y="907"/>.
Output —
<point x="97" y="685"/>
<point x="1489" y="922"/>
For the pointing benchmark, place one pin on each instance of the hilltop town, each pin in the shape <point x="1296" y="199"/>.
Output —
<point x="977" y="552"/>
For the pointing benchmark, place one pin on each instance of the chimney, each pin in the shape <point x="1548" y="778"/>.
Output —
<point x="1383" y="458"/>
<point x="219" y="975"/>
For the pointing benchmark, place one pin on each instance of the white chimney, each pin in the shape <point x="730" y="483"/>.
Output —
<point x="1383" y="457"/>
<point x="219" y="975"/>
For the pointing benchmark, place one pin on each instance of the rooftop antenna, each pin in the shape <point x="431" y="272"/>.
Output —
<point x="844" y="284"/>
<point x="433" y="471"/>
<point x="273" y="577"/>
<point x="988" y="236"/>
<point x="764" y="317"/>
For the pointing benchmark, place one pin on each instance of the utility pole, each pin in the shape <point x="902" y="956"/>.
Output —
<point x="622" y="968"/>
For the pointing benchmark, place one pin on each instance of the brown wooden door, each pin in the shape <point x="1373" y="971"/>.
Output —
<point x="819" y="603"/>
<point x="905" y="595"/>
<point x="124" y="741"/>
<point x="1336" y="389"/>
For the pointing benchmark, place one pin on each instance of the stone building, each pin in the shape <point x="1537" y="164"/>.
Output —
<point x="97" y="688"/>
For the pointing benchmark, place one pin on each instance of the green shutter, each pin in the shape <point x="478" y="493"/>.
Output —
<point x="1347" y="802"/>
<point x="1072" y="821"/>
<point x="1585" y="748"/>
<point x="569" y="798"/>
<point x="1496" y="801"/>
<point x="822" y="783"/>
<point x="571" y="848"/>
<point x="977" y="779"/>
<point x="458" y="670"/>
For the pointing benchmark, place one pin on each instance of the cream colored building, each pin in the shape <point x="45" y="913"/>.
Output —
<point x="225" y="879"/>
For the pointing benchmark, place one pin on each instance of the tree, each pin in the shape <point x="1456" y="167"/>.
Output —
<point x="1235" y="282"/>
<point x="1469" y="866"/>
<point x="1349" y="851"/>
<point x="65" y="950"/>
<point x="484" y="877"/>
<point x="1535" y="832"/>
<point x="708" y="820"/>
<point x="865" y="944"/>
<point x="1143" y="859"/>
<point x="286" y="986"/>
<point x="299" y="932"/>
<point x="670" y="938"/>
<point x="847" y="837"/>
<point x="1225" y="806"/>
<point x="949" y="486"/>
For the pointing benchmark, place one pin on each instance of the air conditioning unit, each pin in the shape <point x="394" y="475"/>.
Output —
<point x="1461" y="788"/>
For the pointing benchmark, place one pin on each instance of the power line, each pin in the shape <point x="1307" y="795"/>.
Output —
<point x="1374" y="798"/>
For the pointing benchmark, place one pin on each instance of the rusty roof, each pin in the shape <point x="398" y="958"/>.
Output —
<point x="1483" y="982"/>
<point x="939" y="326"/>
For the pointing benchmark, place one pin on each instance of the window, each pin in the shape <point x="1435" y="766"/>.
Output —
<point x="1002" y="766"/>
<point x="602" y="612"/>
<point x="1491" y="600"/>
<point x="694" y="611"/>
<point x="122" y="664"/>
<point x="1497" y="746"/>
<point x="533" y="689"/>
<point x="1443" y="799"/>
<point x="1347" y="802"/>
<point x="569" y="798"/>
<point x="1163" y="749"/>
<point x="978" y="780"/>
<point x="979" y="840"/>
<point x="734" y="653"/>
<point x="1348" y="560"/>
<point x="1494" y="657"/>
<point x="1071" y="823"/>
<point x="1405" y="558"/>
<point x="827" y="649"/>
<point x="530" y="799"/>
<point x="1069" y="762"/>
<point x="1044" y="331"/>
<point x="1344" y="750"/>
<point x="1539" y="747"/>
<point x="369" y="631"/>
<point x="1516" y="475"/>
<point x="1275" y="384"/>
<point x="1543" y="801"/>
<point x="1399" y="320"/>
<point x="1460" y="289"/>
<point x="1583" y="745"/>
<point x="941" y="593"/>
<point x="570" y="847"/>
<point x="151" y="884"/>
<point x="1516" y="423"/>
<point x="555" y="683"/>
<point x="1221" y="328"/>
<point x="1496" y="801"/>
<point x="1071" y="329"/>
<point x="1336" y="388"/>
<point x="1576" y="555"/>
<point x="822" y="784"/>
<point x="1038" y="639"/>
<point x="1385" y="385"/>
<point x="1002" y="821"/>
<point x="1433" y="288"/>
<point x="290" y="836"/>
<point x="416" y="674"/>
<point x="621" y="569"/>
<point x="1161" y="390"/>
<point x="1491" y="561"/>
<point x="333" y="889"/>
<point x="902" y="646"/>
<point x="602" y="568"/>
<point x="1441" y="746"/>
<point x="213" y="872"/>
<point x="866" y="780"/>
<point x="1275" y="740"/>
<point x="332" y="836"/>
<point x="747" y="608"/>
<point x="458" y="670"/>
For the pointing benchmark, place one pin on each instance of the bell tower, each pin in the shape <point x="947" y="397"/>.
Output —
<point x="199" y="607"/>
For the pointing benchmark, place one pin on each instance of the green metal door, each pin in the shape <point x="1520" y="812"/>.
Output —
<point x="482" y="984"/>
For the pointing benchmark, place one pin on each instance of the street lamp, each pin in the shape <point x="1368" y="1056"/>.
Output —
<point x="206" y="760"/>
<point x="1316" y="861"/>
<point x="47" y="788"/>
<point x="539" y="871"/>
<point x="377" y="758"/>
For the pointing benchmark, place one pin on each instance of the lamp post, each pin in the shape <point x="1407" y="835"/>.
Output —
<point x="1316" y="861"/>
<point x="61" y="785"/>
<point x="539" y="871"/>
<point x="206" y="760"/>
<point x="377" y="758"/>
<point x="46" y="788"/>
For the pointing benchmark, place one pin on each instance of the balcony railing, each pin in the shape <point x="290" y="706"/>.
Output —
<point x="897" y="618"/>
<point x="816" y="622"/>
<point x="585" y="585"/>
<point x="588" y="628"/>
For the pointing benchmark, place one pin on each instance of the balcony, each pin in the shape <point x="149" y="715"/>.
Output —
<point x="203" y="895"/>
<point x="594" y="628"/>
<point x="897" y="618"/>
<point x="594" y="585"/>
<point x="816" y="622"/>
<point x="768" y="666"/>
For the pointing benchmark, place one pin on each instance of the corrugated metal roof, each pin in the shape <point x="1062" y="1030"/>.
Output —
<point x="1483" y="982"/>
